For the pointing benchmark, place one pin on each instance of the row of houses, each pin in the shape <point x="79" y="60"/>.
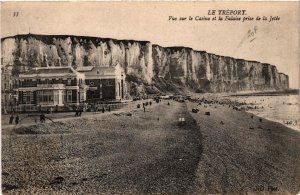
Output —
<point x="61" y="86"/>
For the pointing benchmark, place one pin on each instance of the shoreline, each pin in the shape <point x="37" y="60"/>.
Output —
<point x="225" y="97"/>
<point x="293" y="127"/>
<point x="267" y="93"/>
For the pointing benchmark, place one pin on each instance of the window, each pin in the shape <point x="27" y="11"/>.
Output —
<point x="45" y="96"/>
<point x="56" y="97"/>
<point x="63" y="96"/>
<point x="69" y="96"/>
<point x="24" y="97"/>
<point x="81" y="96"/>
<point x="27" y="97"/>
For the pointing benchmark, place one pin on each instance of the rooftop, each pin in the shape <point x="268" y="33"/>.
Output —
<point x="103" y="70"/>
<point x="99" y="71"/>
<point x="51" y="70"/>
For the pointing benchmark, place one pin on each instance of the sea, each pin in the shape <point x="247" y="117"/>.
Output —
<point x="280" y="108"/>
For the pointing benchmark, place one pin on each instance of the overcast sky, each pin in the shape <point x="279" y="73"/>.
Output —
<point x="274" y="42"/>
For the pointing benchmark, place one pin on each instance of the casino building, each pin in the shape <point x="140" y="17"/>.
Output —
<point x="51" y="86"/>
<point x="64" y="86"/>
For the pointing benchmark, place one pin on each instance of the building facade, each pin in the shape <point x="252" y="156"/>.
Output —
<point x="51" y="86"/>
<point x="105" y="83"/>
<point x="8" y="95"/>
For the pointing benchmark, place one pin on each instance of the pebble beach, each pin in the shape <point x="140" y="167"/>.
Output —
<point x="135" y="152"/>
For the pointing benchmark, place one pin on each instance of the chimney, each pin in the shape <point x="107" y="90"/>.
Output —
<point x="59" y="62"/>
<point x="45" y="61"/>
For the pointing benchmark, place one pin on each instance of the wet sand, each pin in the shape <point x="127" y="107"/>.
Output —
<point x="121" y="154"/>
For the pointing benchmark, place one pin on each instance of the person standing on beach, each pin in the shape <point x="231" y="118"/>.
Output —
<point x="42" y="118"/>
<point x="76" y="113"/>
<point x="144" y="109"/>
<point x="80" y="111"/>
<point x="11" y="119"/>
<point x="17" y="119"/>
<point x="103" y="110"/>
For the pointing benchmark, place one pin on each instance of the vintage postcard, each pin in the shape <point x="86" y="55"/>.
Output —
<point x="150" y="98"/>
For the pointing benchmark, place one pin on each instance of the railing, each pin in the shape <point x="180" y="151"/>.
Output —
<point x="70" y="107"/>
<point x="51" y="85"/>
<point x="28" y="85"/>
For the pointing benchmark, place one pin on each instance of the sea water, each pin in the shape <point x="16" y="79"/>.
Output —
<point x="282" y="108"/>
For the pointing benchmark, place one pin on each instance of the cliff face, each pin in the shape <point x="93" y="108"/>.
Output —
<point x="149" y="68"/>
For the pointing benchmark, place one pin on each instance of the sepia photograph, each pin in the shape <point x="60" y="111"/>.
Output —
<point x="158" y="97"/>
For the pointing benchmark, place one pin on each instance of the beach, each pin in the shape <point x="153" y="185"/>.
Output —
<point x="275" y="106"/>
<point x="279" y="108"/>
<point x="244" y="154"/>
<point x="135" y="152"/>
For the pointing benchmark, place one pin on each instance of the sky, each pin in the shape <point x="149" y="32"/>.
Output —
<point x="275" y="42"/>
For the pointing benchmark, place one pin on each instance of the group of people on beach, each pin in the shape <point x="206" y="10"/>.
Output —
<point x="78" y="112"/>
<point x="144" y="105"/>
<point x="11" y="119"/>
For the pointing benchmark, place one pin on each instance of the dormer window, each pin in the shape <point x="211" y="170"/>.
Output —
<point x="69" y="81"/>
